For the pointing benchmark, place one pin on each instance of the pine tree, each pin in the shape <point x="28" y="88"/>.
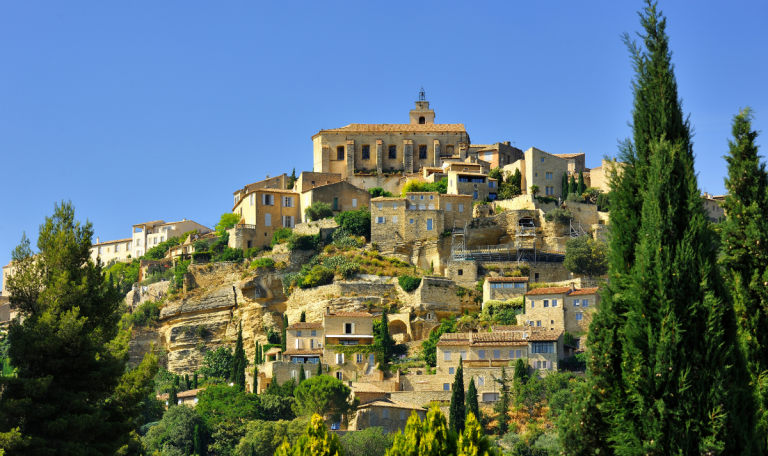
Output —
<point x="239" y="362"/>
<point x="71" y="392"/>
<point x="745" y="252"/>
<point x="173" y="398"/>
<point x="303" y="317"/>
<point x="472" y="405"/>
<point x="302" y="375"/>
<point x="384" y="339"/>
<point x="521" y="371"/>
<point x="194" y="381"/>
<point x="565" y="186"/>
<point x="573" y="187"/>
<point x="285" y="326"/>
<point x="582" y="187"/>
<point x="502" y="405"/>
<point x="457" y="411"/>
<point x="664" y="372"/>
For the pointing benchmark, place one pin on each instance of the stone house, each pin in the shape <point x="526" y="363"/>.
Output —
<point x="542" y="169"/>
<point x="150" y="234"/>
<point x="341" y="196"/>
<point x="478" y="185"/>
<point x="576" y="163"/>
<point x="366" y="392"/>
<point x="389" y="414"/>
<point x="497" y="155"/>
<point x="304" y="343"/>
<point x="262" y="211"/>
<point x="600" y="177"/>
<point x="561" y="309"/>
<point x="308" y="180"/>
<point x="188" y="398"/>
<point x="108" y="251"/>
<point x="278" y="182"/>
<point x="384" y="148"/>
<point x="712" y="207"/>
<point x="348" y="329"/>
<point x="504" y="288"/>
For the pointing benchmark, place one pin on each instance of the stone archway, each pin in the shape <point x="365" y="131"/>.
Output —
<point x="399" y="331"/>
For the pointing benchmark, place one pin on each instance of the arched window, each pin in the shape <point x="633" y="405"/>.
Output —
<point x="422" y="120"/>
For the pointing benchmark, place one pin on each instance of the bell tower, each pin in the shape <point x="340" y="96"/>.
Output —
<point x="422" y="114"/>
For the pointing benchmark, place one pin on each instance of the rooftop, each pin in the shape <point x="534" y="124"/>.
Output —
<point x="306" y="325"/>
<point x="549" y="290"/>
<point x="110" y="242"/>
<point x="361" y="387"/>
<point x="293" y="351"/>
<point x="584" y="291"/>
<point x="569" y="155"/>
<point x="349" y="314"/>
<point x="182" y="394"/>
<point x="273" y="351"/>
<point x="150" y="224"/>
<point x="385" y="128"/>
<point x="391" y="403"/>
<point x="507" y="279"/>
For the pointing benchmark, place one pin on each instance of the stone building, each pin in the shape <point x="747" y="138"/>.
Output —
<point x="341" y="196"/>
<point x="278" y="182"/>
<point x="150" y="234"/>
<point x="348" y="329"/>
<point x="542" y="169"/>
<point x="309" y="180"/>
<point x="479" y="186"/>
<point x="389" y="414"/>
<point x="576" y="163"/>
<point x="108" y="251"/>
<point x="559" y="309"/>
<point x="389" y="148"/>
<point x="713" y="207"/>
<point x="262" y="211"/>
<point x="188" y="398"/>
<point x="504" y="288"/>
<point x="497" y="155"/>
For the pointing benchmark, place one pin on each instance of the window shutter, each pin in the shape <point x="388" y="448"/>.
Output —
<point x="293" y="220"/>
<point x="342" y="358"/>
<point x="354" y="202"/>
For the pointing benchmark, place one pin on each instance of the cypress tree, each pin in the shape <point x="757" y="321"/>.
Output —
<point x="194" y="380"/>
<point x="582" y="187"/>
<point x="177" y="381"/>
<point x="384" y="339"/>
<point x="565" y="187"/>
<point x="664" y="371"/>
<point x="521" y="371"/>
<point x="255" y="385"/>
<point x="239" y="363"/>
<point x="187" y="383"/>
<point x="502" y="405"/>
<point x="302" y="375"/>
<point x="573" y="187"/>
<point x="172" y="397"/>
<point x="745" y="252"/>
<point x="285" y="326"/>
<point x="303" y="317"/>
<point x="458" y="413"/>
<point x="472" y="405"/>
<point x="256" y="354"/>
<point x="319" y="369"/>
<point x="197" y="442"/>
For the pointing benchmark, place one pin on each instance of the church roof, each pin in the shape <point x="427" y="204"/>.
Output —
<point x="404" y="128"/>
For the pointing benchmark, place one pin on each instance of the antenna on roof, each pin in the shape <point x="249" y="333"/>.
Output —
<point x="422" y="96"/>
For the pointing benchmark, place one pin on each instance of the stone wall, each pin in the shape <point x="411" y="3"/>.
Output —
<point x="325" y="226"/>
<point x="245" y="238"/>
<point x="154" y="292"/>
<point x="463" y="272"/>
<point x="420" y="398"/>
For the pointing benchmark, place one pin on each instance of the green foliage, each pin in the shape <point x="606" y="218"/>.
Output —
<point x="495" y="173"/>
<point x="318" y="211"/>
<point x="319" y="275"/>
<point x="146" y="314"/>
<point x="521" y="370"/>
<point x="568" y="339"/>
<point x="585" y="256"/>
<point x="440" y="186"/>
<point x="382" y="337"/>
<point x="178" y="274"/>
<point x="457" y="411"/>
<point x="371" y="441"/>
<point x="429" y="346"/>
<point x="226" y="222"/>
<point x="239" y="362"/>
<point x="344" y="240"/>
<point x="200" y="246"/>
<point x="356" y="223"/>
<point x="163" y="381"/>
<point x="502" y="312"/>
<point x="317" y="441"/>
<point x="565" y="186"/>
<point x="280" y="236"/>
<point x="291" y="180"/>
<point x="124" y="275"/>
<point x="473" y="442"/>
<point x="581" y="187"/>
<point x="574" y="198"/>
<point x="529" y="393"/>
<point x="573" y="187"/>
<point x="268" y="263"/>
<point x="559" y="215"/>
<point x="502" y="405"/>
<point x="409" y="283"/>
<point x="262" y="438"/>
<point x="230" y="254"/>
<point x="283" y="339"/>
<point x="175" y="433"/>
<point x="303" y="242"/>
<point x="591" y="194"/>
<point x="72" y="392"/>
<point x="325" y="396"/>
<point x="378" y="191"/>
<point x="159" y="251"/>
<point x="430" y="437"/>
<point x="603" y="202"/>
<point x="218" y="363"/>
<point x="534" y="189"/>
<point x="472" y="406"/>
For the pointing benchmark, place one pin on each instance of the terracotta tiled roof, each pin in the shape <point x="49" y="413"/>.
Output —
<point x="111" y="242"/>
<point x="388" y="198"/>
<point x="584" y="291"/>
<point x="273" y="351"/>
<point x="597" y="167"/>
<point x="507" y="328"/>
<point x="305" y="325"/>
<point x="507" y="279"/>
<point x="183" y="394"/>
<point x="360" y="387"/>
<point x="152" y="223"/>
<point x="514" y="337"/>
<point x="294" y="351"/>
<point x="390" y="403"/>
<point x="484" y="146"/>
<point x="350" y="314"/>
<point x="455" y="196"/>
<point x="383" y="128"/>
<point x="468" y="173"/>
<point x="545" y="336"/>
<point x="549" y="290"/>
<point x="568" y="155"/>
<point x="273" y="190"/>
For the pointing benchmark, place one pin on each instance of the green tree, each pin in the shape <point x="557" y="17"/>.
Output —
<point x="285" y="326"/>
<point x="325" y="396"/>
<point x="302" y="375"/>
<point x="429" y="346"/>
<point x="495" y="173"/>
<point x="517" y="179"/>
<point x="472" y="405"/>
<point x="194" y="380"/>
<point x="582" y="187"/>
<point x="378" y="191"/>
<point x="356" y="223"/>
<point x="502" y="405"/>
<point x="521" y="371"/>
<point x="318" y="211"/>
<point x="664" y="371"/>
<point x="217" y="363"/>
<point x="239" y="362"/>
<point x="529" y="394"/>
<point x="175" y="433"/>
<point x="291" y="180"/>
<point x="173" y="398"/>
<point x="198" y="439"/>
<point x="565" y="187"/>
<point x="72" y="392"/>
<point x="319" y="369"/>
<point x="473" y="442"/>
<point x="303" y="317"/>
<point x="573" y="187"/>
<point x="226" y="221"/>
<point x="430" y="437"/>
<point x="262" y="438"/>
<point x="384" y="340"/>
<point x="745" y="252"/>
<point x="457" y="411"/>
<point x="534" y="189"/>
<point x="317" y="441"/>
<point x="371" y="441"/>
<point x="586" y="257"/>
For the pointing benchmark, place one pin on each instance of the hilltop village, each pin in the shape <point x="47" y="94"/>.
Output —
<point x="457" y="248"/>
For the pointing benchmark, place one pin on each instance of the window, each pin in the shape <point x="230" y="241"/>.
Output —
<point x="518" y="353"/>
<point x="385" y="413"/>
<point x="490" y="184"/>
<point x="480" y="381"/>
<point x="380" y="219"/>
<point x="268" y="200"/>
<point x="511" y="354"/>
<point x="402" y="414"/>
<point x="288" y="222"/>
<point x="392" y="152"/>
<point x="127" y="246"/>
<point x="267" y="220"/>
<point x="298" y="333"/>
<point x="549" y="176"/>
<point x="313" y="333"/>
<point x="307" y="374"/>
<point x="251" y="199"/>
<point x="422" y="152"/>
<point x="293" y="374"/>
<point x="421" y="196"/>
<point x="554" y="303"/>
<point x="533" y="304"/>
<point x="339" y="358"/>
<point x="546" y="303"/>
<point x="475" y="195"/>
<point x="463" y="355"/>
<point x="481" y="354"/>
<point x="451" y="370"/>
<point x="155" y="241"/>
<point x="429" y="224"/>
<point x="366" y="152"/>
<point x="340" y="153"/>
<point x="575" y="303"/>
<point x="542" y="159"/>
<point x="461" y="208"/>
<point x="354" y="202"/>
<point x="496" y="354"/>
<point x="359" y="358"/>
<point x="538" y="322"/>
<point x="411" y="221"/>
<point x="422" y="120"/>
<point x="585" y="303"/>
<point x="311" y="343"/>
<point x="381" y="206"/>
<point x="100" y="250"/>
<point x="117" y="248"/>
<point x="288" y="201"/>
<point x="394" y="219"/>
<point x="431" y="207"/>
<point x="394" y="205"/>
<point x="542" y="347"/>
<point x="448" y="207"/>
<point x="446" y="356"/>
<point x="431" y="197"/>
<point x="446" y="386"/>
<point x="579" y="316"/>
<point x="461" y="272"/>
<point x="339" y="375"/>
<point x="349" y="328"/>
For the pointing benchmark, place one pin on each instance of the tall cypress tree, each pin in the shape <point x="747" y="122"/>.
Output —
<point x="502" y="405"/>
<point x="472" y="404"/>
<point x="745" y="252"/>
<point x="194" y="381"/>
<point x="582" y="187"/>
<point x="303" y="317"/>
<point x="319" y="369"/>
<point x="384" y="339"/>
<point x="256" y="354"/>
<point x="302" y="375"/>
<point x="285" y="327"/>
<point x="458" y="413"/>
<point x="239" y="362"/>
<point x="565" y="187"/>
<point x="255" y="384"/>
<point x="664" y="372"/>
<point x="173" y="399"/>
<point x="573" y="187"/>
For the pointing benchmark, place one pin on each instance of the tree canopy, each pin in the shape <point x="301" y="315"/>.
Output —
<point x="586" y="257"/>
<point x="325" y="396"/>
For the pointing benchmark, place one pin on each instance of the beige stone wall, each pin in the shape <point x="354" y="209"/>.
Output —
<point x="308" y="180"/>
<point x="580" y="327"/>
<point x="341" y="196"/>
<point x="110" y="251"/>
<point x="326" y="226"/>
<point x="420" y="398"/>
<point x="464" y="273"/>
<point x="392" y="183"/>
<point x="712" y="208"/>
<point x="373" y="416"/>
<point x="536" y="172"/>
<point x="254" y="212"/>
<point x="550" y="317"/>
<point x="304" y="339"/>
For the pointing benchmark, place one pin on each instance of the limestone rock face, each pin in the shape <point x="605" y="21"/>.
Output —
<point x="152" y="292"/>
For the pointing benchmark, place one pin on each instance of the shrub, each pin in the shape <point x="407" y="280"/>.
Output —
<point x="147" y="314"/>
<point x="356" y="223"/>
<point x="252" y="252"/>
<point x="280" y="236"/>
<point x="303" y="242"/>
<point x="263" y="263"/>
<point x="574" y="198"/>
<point x="603" y="202"/>
<point x="343" y="239"/>
<point x="559" y="215"/>
<point x="159" y="251"/>
<point x="319" y="275"/>
<point x="230" y="254"/>
<point x="318" y="210"/>
<point x="409" y="283"/>
<point x="226" y="221"/>
<point x="378" y="191"/>
<point x="178" y="275"/>
<point x="440" y="186"/>
<point x="200" y="246"/>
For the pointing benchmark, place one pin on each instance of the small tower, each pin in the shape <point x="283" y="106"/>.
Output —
<point x="422" y="114"/>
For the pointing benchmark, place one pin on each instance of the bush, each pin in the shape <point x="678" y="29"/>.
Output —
<point x="303" y="242"/>
<point x="574" y="198"/>
<point x="586" y="257"/>
<point x="603" y="202"/>
<point x="280" y="236"/>
<point x="174" y="434"/>
<point x="370" y="441"/>
<point x="502" y="312"/>
<point x="263" y="263"/>
<point x="559" y="215"/>
<point x="217" y="363"/>
<point x="318" y="210"/>
<point x="356" y="223"/>
<point x="440" y="186"/>
<point x="409" y="283"/>
<point x="147" y="314"/>
<point x="200" y="246"/>
<point x="319" y="275"/>
<point x="252" y="252"/>
<point x="226" y="222"/>
<point x="230" y="254"/>
<point x="178" y="274"/>
<point x="343" y="239"/>
<point x="159" y="251"/>
<point x="378" y="191"/>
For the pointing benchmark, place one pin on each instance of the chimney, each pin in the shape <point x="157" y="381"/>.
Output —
<point x="573" y="286"/>
<point x="327" y="310"/>
<point x="97" y="240"/>
<point x="507" y="143"/>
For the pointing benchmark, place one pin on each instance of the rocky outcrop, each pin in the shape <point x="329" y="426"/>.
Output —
<point x="154" y="292"/>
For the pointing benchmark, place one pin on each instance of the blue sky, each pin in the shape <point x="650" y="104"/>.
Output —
<point x="142" y="110"/>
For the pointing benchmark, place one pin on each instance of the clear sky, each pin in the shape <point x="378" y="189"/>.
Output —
<point x="141" y="110"/>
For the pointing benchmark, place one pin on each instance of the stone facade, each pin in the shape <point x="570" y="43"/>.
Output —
<point x="391" y="415"/>
<point x="324" y="227"/>
<point x="309" y="180"/>
<point x="497" y="155"/>
<point x="504" y="288"/>
<point x="341" y="196"/>
<point x="561" y="309"/>
<point x="351" y="329"/>
<point x="266" y="210"/>
<point x="463" y="272"/>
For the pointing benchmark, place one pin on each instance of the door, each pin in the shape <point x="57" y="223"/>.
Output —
<point x="371" y="359"/>
<point x="335" y="204"/>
